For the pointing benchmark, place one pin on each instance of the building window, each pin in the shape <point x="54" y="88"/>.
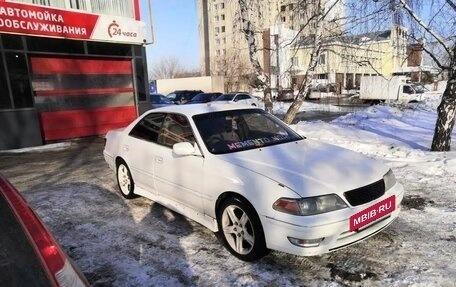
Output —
<point x="283" y="8"/>
<point x="41" y="44"/>
<point x="217" y="41"/>
<point x="222" y="5"/>
<point x="217" y="30"/>
<point x="217" y="52"/>
<point x="284" y="19"/>
<point x="223" y="29"/>
<point x="216" y="18"/>
<point x="222" y="17"/>
<point x="294" y="61"/>
<point x="5" y="100"/>
<point x="223" y="40"/>
<point x="16" y="64"/>
<point x="12" y="42"/>
<point x="322" y="59"/>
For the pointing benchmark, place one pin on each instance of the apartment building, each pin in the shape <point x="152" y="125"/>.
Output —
<point x="223" y="45"/>
<point x="69" y="68"/>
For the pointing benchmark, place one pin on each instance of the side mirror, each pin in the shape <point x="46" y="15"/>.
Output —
<point x="185" y="148"/>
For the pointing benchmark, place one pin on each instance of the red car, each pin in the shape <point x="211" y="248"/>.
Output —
<point x="29" y="254"/>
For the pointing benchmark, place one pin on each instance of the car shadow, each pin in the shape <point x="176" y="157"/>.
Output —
<point x="115" y="242"/>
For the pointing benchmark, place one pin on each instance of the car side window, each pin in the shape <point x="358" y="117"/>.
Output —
<point x="242" y="97"/>
<point x="407" y="90"/>
<point x="176" y="128"/>
<point x="149" y="127"/>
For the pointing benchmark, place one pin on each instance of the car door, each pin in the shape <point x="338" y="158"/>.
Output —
<point x="178" y="178"/>
<point x="139" y="149"/>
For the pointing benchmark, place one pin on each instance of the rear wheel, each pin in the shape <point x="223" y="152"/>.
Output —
<point x="241" y="230"/>
<point x="125" y="181"/>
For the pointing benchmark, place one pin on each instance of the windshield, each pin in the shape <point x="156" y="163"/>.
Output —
<point x="225" y="97"/>
<point x="419" y="89"/>
<point x="238" y="130"/>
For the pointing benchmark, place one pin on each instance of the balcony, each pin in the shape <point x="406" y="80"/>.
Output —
<point x="123" y="8"/>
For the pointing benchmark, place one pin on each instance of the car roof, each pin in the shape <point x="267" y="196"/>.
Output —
<point x="235" y="93"/>
<point x="196" y="109"/>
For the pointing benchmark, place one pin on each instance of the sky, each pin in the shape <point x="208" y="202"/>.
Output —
<point x="175" y="26"/>
<point x="138" y="243"/>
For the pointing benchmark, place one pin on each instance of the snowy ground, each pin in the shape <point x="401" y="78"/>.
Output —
<point x="138" y="243"/>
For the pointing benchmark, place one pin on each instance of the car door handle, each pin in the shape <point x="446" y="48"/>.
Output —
<point x="158" y="159"/>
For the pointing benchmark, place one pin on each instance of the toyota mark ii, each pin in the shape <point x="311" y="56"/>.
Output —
<point x="245" y="174"/>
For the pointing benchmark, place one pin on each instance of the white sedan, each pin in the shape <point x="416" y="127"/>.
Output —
<point x="237" y="98"/>
<point x="240" y="171"/>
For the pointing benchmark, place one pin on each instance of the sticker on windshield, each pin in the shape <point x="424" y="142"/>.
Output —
<point x="258" y="142"/>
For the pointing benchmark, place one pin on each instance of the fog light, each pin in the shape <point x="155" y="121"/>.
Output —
<point x="305" y="242"/>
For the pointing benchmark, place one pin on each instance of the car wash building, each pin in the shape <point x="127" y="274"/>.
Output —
<point x="69" y="69"/>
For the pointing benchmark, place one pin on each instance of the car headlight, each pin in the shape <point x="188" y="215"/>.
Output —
<point x="389" y="179"/>
<point x="309" y="205"/>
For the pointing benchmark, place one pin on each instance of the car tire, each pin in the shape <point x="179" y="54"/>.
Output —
<point x="125" y="180"/>
<point x="240" y="229"/>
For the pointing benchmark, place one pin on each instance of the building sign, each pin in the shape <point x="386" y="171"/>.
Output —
<point x="45" y="21"/>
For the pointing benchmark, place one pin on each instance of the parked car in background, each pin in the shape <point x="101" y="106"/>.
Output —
<point x="159" y="100"/>
<point x="204" y="98"/>
<point x="322" y="90"/>
<point x="239" y="98"/>
<point x="29" y="254"/>
<point x="242" y="172"/>
<point x="285" y="95"/>
<point x="183" y="96"/>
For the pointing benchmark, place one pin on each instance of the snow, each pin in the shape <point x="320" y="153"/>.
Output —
<point x="117" y="242"/>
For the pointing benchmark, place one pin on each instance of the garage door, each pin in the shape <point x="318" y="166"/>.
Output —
<point x="82" y="97"/>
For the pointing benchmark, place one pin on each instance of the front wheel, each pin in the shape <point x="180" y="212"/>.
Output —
<point x="125" y="181"/>
<point x="241" y="230"/>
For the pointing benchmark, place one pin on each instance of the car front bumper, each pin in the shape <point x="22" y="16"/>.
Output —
<point x="327" y="236"/>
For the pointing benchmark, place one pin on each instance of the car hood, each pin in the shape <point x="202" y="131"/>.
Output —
<point x="310" y="168"/>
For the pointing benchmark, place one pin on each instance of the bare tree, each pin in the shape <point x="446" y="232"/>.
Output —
<point x="247" y="27"/>
<point x="446" y="111"/>
<point x="166" y="68"/>
<point x="304" y="89"/>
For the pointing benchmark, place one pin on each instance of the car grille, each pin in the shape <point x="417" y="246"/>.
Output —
<point x="366" y="193"/>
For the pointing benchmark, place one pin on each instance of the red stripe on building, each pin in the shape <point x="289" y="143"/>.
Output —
<point x="80" y="123"/>
<point x="137" y="9"/>
<point x="83" y="92"/>
<point x="50" y="66"/>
